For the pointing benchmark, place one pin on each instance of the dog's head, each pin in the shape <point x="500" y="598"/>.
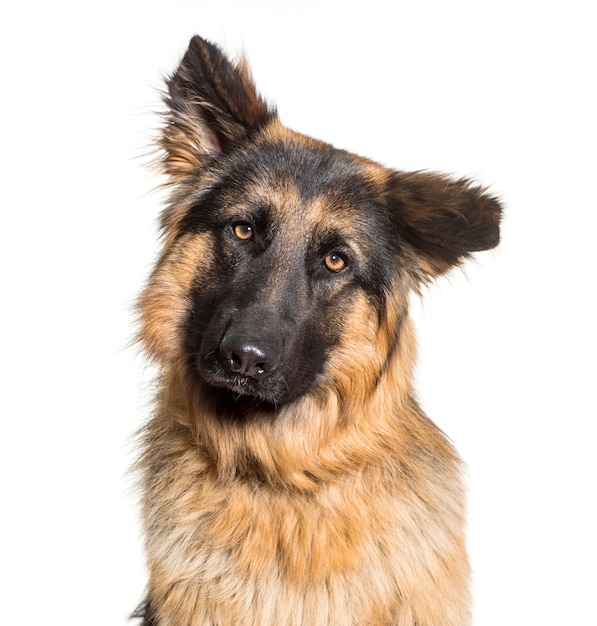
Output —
<point x="284" y="256"/>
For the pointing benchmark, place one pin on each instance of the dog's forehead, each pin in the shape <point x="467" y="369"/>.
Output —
<point x="295" y="177"/>
<point x="289" y="209"/>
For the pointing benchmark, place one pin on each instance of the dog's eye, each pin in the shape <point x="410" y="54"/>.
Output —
<point x="334" y="262"/>
<point x="243" y="231"/>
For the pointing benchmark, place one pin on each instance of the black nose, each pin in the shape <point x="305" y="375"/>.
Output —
<point x="249" y="356"/>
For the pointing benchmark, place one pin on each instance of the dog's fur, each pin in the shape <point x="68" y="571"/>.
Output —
<point x="289" y="476"/>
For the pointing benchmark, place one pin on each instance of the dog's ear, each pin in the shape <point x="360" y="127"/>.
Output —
<point x="212" y="104"/>
<point x="442" y="218"/>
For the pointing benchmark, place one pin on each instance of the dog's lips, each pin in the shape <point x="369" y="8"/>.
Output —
<point x="246" y="390"/>
<point x="265" y="390"/>
<point x="237" y="384"/>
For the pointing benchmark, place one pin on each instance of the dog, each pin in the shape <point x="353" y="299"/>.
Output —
<point x="289" y="476"/>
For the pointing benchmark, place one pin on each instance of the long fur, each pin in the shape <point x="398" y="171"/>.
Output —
<point x="305" y="487"/>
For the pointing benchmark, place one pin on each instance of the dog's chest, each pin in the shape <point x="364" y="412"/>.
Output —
<point x="320" y="559"/>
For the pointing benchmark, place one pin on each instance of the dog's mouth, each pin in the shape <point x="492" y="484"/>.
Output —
<point x="268" y="389"/>
<point x="245" y="387"/>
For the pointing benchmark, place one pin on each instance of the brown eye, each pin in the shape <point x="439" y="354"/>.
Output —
<point x="243" y="231"/>
<point x="334" y="262"/>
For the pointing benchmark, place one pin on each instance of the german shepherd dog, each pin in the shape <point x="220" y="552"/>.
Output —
<point x="289" y="476"/>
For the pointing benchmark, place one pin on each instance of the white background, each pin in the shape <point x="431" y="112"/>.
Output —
<point x="503" y="91"/>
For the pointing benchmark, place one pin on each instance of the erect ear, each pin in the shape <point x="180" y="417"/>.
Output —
<point x="212" y="105"/>
<point x="444" y="219"/>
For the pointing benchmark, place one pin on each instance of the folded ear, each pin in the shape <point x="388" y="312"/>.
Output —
<point x="211" y="105"/>
<point x="443" y="219"/>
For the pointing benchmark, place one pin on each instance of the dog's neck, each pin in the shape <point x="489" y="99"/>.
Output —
<point x="271" y="446"/>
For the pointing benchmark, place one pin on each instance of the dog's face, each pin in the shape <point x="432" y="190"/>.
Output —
<point x="297" y="233"/>
<point x="281" y="252"/>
